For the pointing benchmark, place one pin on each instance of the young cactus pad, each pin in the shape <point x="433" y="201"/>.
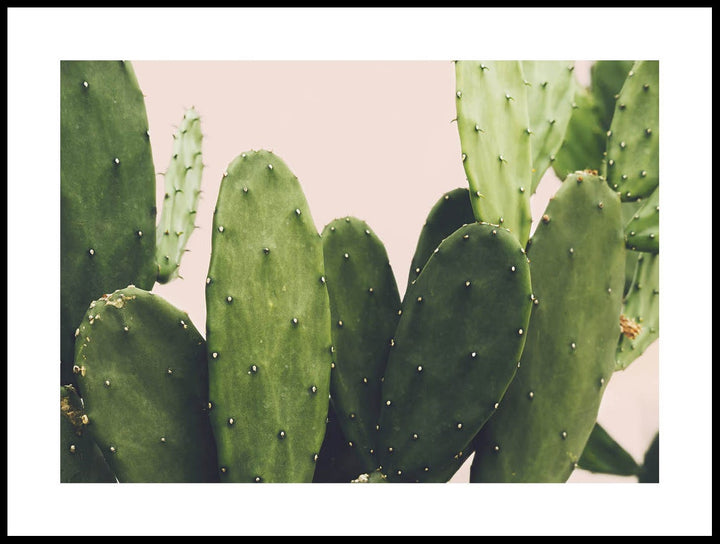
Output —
<point x="449" y="213"/>
<point x="107" y="190"/>
<point x="142" y="368"/>
<point x="551" y="86"/>
<point x="445" y="375"/>
<point x="577" y="262"/>
<point x="633" y="160"/>
<point x="364" y="305"/>
<point x="80" y="459"/>
<point x="268" y="325"/>
<point x="494" y="129"/>
<point x="182" y="192"/>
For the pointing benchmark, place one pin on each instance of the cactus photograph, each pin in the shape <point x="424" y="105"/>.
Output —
<point x="303" y="355"/>
<point x="323" y="270"/>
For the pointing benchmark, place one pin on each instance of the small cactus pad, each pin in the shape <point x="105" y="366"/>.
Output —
<point x="182" y="191"/>
<point x="445" y="374"/>
<point x="142" y="368"/>
<point x="602" y="454"/>
<point x="338" y="461"/>
<point x="364" y="305"/>
<point x="551" y="86"/>
<point x="268" y="325"/>
<point x="80" y="459"/>
<point x="642" y="230"/>
<point x="107" y="191"/>
<point x="640" y="319"/>
<point x="633" y="160"/>
<point x="494" y="129"/>
<point x="577" y="262"/>
<point x="449" y="213"/>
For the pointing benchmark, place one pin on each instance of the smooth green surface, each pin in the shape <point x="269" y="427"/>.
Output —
<point x="650" y="469"/>
<point x="494" y="130"/>
<point x="633" y="147"/>
<point x="107" y="191"/>
<point x="268" y="325"/>
<point x="603" y="454"/>
<point x="364" y="305"/>
<point x="551" y="86"/>
<point x="143" y="377"/>
<point x="455" y="351"/>
<point x="183" y="179"/>
<point x="577" y="263"/>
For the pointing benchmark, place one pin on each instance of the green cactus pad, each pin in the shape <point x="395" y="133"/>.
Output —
<point x="449" y="213"/>
<point x="642" y="230"/>
<point x="80" y="458"/>
<point x="641" y="309"/>
<point x="338" y="461"/>
<point x="364" y="305"/>
<point x="455" y="351"/>
<point x="142" y="367"/>
<point x="633" y="160"/>
<point x="182" y="191"/>
<point x="494" y="129"/>
<point x="550" y="91"/>
<point x="577" y="262"/>
<point x="268" y="325"/>
<point x="107" y="191"/>
<point x="603" y="455"/>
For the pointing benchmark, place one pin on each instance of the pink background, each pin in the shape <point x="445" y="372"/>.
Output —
<point x="370" y="139"/>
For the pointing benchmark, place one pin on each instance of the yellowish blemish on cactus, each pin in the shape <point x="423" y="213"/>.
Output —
<point x="629" y="327"/>
<point x="74" y="416"/>
<point x="118" y="302"/>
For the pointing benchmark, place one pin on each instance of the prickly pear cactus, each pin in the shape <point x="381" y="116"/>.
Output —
<point x="633" y="161"/>
<point x="446" y="375"/>
<point x="494" y="129"/>
<point x="182" y="191"/>
<point x="365" y="309"/>
<point x="268" y="325"/>
<point x="142" y="368"/>
<point x="80" y="459"/>
<point x="449" y="213"/>
<point x="107" y="191"/>
<point x="577" y="262"/>
<point x="551" y="87"/>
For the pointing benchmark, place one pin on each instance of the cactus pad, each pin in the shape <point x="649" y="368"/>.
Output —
<point x="268" y="325"/>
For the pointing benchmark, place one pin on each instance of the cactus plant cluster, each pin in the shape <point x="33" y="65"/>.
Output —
<point x="314" y="367"/>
